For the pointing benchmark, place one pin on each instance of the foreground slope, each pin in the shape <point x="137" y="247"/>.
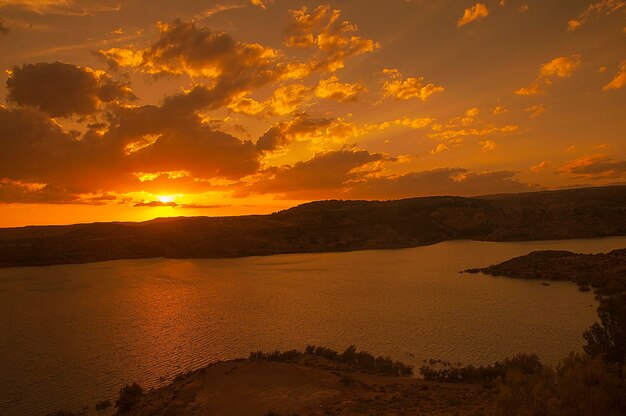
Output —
<point x="311" y="386"/>
<point x="329" y="226"/>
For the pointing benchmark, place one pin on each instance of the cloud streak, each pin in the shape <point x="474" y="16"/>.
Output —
<point x="595" y="10"/>
<point x="62" y="7"/>
<point x="619" y="80"/>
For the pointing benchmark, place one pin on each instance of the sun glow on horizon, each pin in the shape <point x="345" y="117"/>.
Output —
<point x="307" y="102"/>
<point x="166" y="199"/>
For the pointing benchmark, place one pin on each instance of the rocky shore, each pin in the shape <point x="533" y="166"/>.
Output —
<point x="605" y="272"/>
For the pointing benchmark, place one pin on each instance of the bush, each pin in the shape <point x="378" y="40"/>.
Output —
<point x="357" y="359"/>
<point x="579" y="385"/>
<point x="290" y="355"/>
<point x="105" y="404"/>
<point x="439" y="370"/>
<point x="129" y="397"/>
<point x="607" y="339"/>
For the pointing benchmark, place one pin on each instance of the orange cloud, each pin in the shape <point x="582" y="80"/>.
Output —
<point x="332" y="89"/>
<point x="236" y="69"/>
<point x="535" y="110"/>
<point x="439" y="148"/>
<point x="541" y="166"/>
<point x="323" y="29"/>
<point x="561" y="67"/>
<point x="262" y="3"/>
<point x="286" y="99"/>
<point x="619" y="80"/>
<point x="466" y="119"/>
<point x="599" y="8"/>
<point x="321" y="175"/>
<point x="478" y="11"/>
<point x="499" y="110"/>
<point x="412" y="123"/>
<point x="409" y="88"/>
<point x="488" y="145"/>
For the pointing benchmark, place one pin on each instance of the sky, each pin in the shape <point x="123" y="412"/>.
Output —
<point x="116" y="110"/>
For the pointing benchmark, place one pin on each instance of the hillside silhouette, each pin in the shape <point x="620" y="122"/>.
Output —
<point x="328" y="226"/>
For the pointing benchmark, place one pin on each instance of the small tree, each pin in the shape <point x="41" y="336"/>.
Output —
<point x="607" y="339"/>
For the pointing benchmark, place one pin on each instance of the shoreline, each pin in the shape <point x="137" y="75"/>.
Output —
<point x="547" y="240"/>
<point x="328" y="226"/>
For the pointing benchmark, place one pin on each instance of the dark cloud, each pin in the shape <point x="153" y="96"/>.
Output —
<point x="324" y="174"/>
<point x="443" y="181"/>
<point x="282" y="134"/>
<point x="154" y="204"/>
<point x="15" y="191"/>
<point x="61" y="89"/>
<point x="138" y="148"/>
<point x="3" y="29"/>
<point x="169" y="139"/>
<point x="595" y="167"/>
<point x="351" y="174"/>
<point x="35" y="149"/>
<point x="204" y="152"/>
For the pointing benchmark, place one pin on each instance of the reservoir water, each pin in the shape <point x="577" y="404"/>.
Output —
<point x="72" y="335"/>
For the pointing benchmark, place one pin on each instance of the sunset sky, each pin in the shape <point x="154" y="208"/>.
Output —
<point x="131" y="110"/>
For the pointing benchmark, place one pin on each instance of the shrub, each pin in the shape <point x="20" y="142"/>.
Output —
<point x="357" y="359"/>
<point x="579" y="385"/>
<point x="105" y="404"/>
<point x="129" y="397"/>
<point x="607" y="339"/>
<point x="439" y="370"/>
<point x="276" y="355"/>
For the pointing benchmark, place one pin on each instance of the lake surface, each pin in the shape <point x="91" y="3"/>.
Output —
<point x="71" y="335"/>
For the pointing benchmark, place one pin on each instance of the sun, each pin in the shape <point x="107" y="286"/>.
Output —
<point x="166" y="199"/>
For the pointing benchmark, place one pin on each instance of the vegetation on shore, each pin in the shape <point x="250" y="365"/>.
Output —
<point x="361" y="360"/>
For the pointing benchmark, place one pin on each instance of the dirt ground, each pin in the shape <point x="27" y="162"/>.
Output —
<point x="312" y="386"/>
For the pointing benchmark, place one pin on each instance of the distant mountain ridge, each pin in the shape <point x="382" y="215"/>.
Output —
<point x="327" y="226"/>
